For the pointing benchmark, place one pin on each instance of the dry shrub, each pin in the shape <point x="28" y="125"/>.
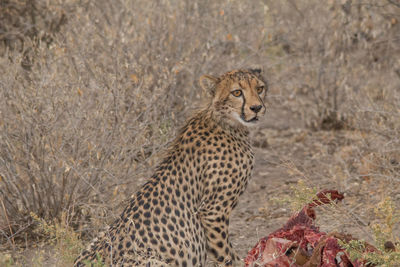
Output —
<point x="82" y="125"/>
<point x="32" y="19"/>
<point x="342" y="60"/>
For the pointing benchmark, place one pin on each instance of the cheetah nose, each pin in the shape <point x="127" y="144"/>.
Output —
<point x="256" y="108"/>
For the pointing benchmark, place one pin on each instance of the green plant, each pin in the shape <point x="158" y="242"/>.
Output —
<point x="300" y="196"/>
<point x="97" y="263"/>
<point x="385" y="255"/>
<point x="67" y="242"/>
<point x="6" y="260"/>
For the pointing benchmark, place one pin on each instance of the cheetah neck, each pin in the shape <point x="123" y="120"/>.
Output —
<point x="219" y="119"/>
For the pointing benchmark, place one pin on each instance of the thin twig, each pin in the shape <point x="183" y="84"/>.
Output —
<point x="8" y="222"/>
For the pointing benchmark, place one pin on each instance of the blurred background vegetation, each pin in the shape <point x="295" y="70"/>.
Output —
<point x="92" y="90"/>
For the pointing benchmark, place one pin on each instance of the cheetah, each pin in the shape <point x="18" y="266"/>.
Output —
<point x="182" y="212"/>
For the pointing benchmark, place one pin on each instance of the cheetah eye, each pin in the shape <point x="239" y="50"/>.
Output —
<point x="237" y="93"/>
<point x="260" y="90"/>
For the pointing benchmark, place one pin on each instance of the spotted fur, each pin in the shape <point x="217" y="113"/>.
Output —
<point x="182" y="213"/>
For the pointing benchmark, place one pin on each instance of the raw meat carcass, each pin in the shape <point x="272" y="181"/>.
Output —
<point x="300" y="243"/>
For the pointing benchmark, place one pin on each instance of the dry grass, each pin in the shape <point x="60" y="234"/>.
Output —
<point x="91" y="91"/>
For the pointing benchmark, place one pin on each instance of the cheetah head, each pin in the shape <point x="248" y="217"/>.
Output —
<point x="238" y="95"/>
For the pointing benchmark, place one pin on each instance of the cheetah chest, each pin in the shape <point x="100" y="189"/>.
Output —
<point x="229" y="164"/>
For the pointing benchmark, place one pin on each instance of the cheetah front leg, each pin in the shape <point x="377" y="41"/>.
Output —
<point x="216" y="230"/>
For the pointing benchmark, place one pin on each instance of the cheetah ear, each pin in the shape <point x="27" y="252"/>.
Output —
<point x="208" y="83"/>
<point x="257" y="70"/>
